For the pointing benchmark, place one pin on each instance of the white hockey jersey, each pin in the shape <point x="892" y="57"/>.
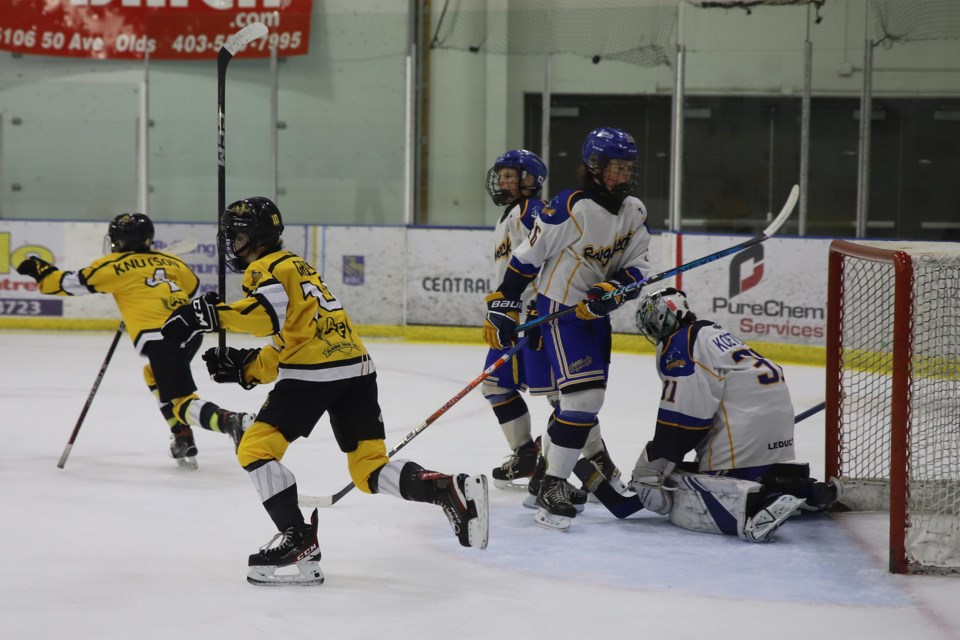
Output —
<point x="512" y="229"/>
<point x="576" y="243"/>
<point x="714" y="382"/>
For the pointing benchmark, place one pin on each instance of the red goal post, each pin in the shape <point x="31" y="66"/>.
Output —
<point x="893" y="393"/>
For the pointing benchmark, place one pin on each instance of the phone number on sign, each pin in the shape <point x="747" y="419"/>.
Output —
<point x="20" y="307"/>
<point x="127" y="42"/>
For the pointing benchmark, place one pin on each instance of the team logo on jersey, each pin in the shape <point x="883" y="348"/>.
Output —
<point x="255" y="277"/>
<point x="740" y="279"/>
<point x="674" y="364"/>
<point x="579" y="365"/>
<point x="504" y="249"/>
<point x="602" y="255"/>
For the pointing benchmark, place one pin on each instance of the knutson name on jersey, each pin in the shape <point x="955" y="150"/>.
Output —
<point x="773" y="309"/>
<point x="140" y="263"/>
<point x="603" y="255"/>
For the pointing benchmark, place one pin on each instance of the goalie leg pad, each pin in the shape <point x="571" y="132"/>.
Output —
<point x="711" y="504"/>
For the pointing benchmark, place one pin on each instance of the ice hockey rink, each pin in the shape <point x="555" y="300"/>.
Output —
<point x="124" y="544"/>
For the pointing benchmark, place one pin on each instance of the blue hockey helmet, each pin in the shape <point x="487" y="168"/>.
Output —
<point x="526" y="163"/>
<point x="605" y="144"/>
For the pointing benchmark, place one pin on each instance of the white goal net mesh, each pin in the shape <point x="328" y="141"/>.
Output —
<point x="932" y="397"/>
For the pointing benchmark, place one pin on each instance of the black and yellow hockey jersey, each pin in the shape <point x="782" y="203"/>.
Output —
<point x="313" y="338"/>
<point x="147" y="286"/>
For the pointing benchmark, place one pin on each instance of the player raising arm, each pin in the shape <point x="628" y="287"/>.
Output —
<point x="723" y="400"/>
<point x="320" y="365"/>
<point x="146" y="285"/>
<point x="588" y="241"/>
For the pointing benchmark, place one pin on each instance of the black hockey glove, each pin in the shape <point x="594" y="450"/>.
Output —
<point x="226" y="364"/>
<point x="200" y="316"/>
<point x="35" y="268"/>
<point x="535" y="338"/>
<point x="503" y="316"/>
<point x="595" y="307"/>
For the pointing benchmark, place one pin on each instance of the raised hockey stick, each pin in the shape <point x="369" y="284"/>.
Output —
<point x="622" y="506"/>
<point x="181" y="246"/>
<point x="93" y="392"/>
<point x="312" y="502"/>
<point x="234" y="44"/>
<point x="632" y="287"/>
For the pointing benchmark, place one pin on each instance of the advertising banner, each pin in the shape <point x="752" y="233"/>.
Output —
<point x="164" y="29"/>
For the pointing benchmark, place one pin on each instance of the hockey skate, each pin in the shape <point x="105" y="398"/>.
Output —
<point x="295" y="547"/>
<point x="605" y="465"/>
<point x="234" y="424"/>
<point x="183" y="449"/>
<point x="761" y="526"/>
<point x="825" y="495"/>
<point x="464" y="502"/>
<point x="554" y="508"/>
<point x="577" y="496"/>
<point x="519" y="464"/>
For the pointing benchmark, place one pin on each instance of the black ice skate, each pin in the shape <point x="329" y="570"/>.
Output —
<point x="605" y="465"/>
<point x="295" y="547"/>
<point x="554" y="508"/>
<point x="519" y="464"/>
<point x="234" y="424"/>
<point x="182" y="447"/>
<point x="464" y="501"/>
<point x="578" y="497"/>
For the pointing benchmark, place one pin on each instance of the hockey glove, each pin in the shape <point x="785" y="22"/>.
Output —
<point x="35" y="268"/>
<point x="595" y="307"/>
<point x="200" y="316"/>
<point x="534" y="337"/>
<point x="226" y="364"/>
<point x="503" y="315"/>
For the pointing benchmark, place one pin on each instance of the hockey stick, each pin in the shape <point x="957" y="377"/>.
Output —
<point x="622" y="506"/>
<point x="311" y="502"/>
<point x="234" y="44"/>
<point x="181" y="246"/>
<point x="93" y="392"/>
<point x="627" y="289"/>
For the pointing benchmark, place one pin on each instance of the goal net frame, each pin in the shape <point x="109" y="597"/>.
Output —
<point x="902" y="371"/>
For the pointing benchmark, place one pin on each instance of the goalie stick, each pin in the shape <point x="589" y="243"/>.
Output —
<point x="312" y="502"/>
<point x="181" y="246"/>
<point x="625" y="505"/>
<point x="230" y="48"/>
<point x="627" y="289"/>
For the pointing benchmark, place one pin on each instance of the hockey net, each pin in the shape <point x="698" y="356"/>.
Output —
<point x="637" y="32"/>
<point x="893" y="393"/>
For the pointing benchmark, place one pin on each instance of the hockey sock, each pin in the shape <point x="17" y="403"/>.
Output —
<point x="512" y="414"/>
<point x="277" y="487"/>
<point x="568" y="432"/>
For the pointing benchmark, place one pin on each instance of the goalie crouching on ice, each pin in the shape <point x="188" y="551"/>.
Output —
<point x="725" y="401"/>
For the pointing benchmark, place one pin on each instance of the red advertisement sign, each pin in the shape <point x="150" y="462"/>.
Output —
<point x="166" y="29"/>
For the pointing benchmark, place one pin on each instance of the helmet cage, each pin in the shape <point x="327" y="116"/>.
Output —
<point x="661" y="313"/>
<point x="525" y="163"/>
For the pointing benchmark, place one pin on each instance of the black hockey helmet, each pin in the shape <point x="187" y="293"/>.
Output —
<point x="256" y="223"/>
<point x="130" y="232"/>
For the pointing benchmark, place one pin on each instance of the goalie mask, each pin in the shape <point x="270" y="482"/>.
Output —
<point x="662" y="312"/>
<point x="129" y="232"/>
<point x="526" y="180"/>
<point x="248" y="225"/>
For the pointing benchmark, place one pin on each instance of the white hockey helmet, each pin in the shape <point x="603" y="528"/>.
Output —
<point x="661" y="313"/>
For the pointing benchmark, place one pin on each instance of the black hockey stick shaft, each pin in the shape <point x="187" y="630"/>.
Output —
<point x="231" y="47"/>
<point x="93" y="392"/>
<point x="627" y="289"/>
<point x="329" y="501"/>
<point x="621" y="505"/>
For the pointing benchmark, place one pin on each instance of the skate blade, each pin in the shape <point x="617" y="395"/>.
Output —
<point x="478" y="529"/>
<point x="530" y="502"/>
<point x="547" y="520"/>
<point x="188" y="462"/>
<point x="510" y="485"/>
<point x="308" y="574"/>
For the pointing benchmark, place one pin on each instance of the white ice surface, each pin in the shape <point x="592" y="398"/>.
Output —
<point x="124" y="544"/>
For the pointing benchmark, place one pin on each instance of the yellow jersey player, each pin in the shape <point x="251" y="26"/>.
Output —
<point x="319" y="365"/>
<point x="147" y="285"/>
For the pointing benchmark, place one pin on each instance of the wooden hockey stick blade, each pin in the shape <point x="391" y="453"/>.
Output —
<point x="328" y="501"/>
<point x="245" y="36"/>
<point x="186" y="245"/>
<point x="784" y="214"/>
